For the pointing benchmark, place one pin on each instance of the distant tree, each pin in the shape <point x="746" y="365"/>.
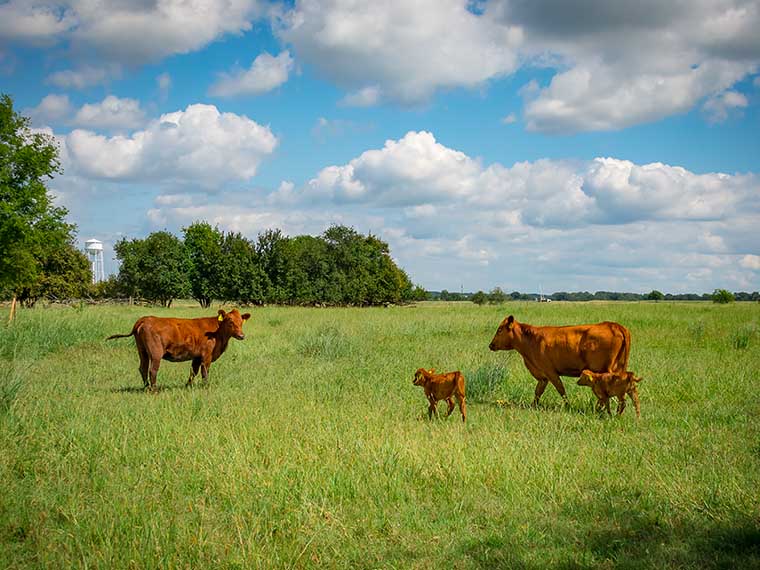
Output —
<point x="655" y="295"/>
<point x="63" y="273"/>
<point x="242" y="278"/>
<point x="419" y="294"/>
<point x="32" y="229"/>
<point x="444" y="295"/>
<point x="155" y="268"/>
<point x="496" y="296"/>
<point x="270" y="249"/>
<point x="204" y="248"/>
<point x="722" y="296"/>
<point x="515" y="295"/>
<point x="479" y="298"/>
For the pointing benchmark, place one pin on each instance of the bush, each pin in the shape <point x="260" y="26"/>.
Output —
<point x="479" y="298"/>
<point x="722" y="296"/>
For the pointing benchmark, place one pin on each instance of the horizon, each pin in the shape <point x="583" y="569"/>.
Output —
<point x="486" y="140"/>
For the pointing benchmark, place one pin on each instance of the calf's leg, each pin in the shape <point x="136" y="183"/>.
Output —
<point x="462" y="406"/>
<point x="635" y="397"/>
<point x="450" y="402"/>
<point x="621" y="404"/>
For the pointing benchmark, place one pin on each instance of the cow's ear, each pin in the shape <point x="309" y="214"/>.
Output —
<point x="510" y="321"/>
<point x="245" y="316"/>
<point x="222" y="314"/>
<point x="431" y="371"/>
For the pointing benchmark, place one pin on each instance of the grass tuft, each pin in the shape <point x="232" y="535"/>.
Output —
<point x="327" y="342"/>
<point x="487" y="382"/>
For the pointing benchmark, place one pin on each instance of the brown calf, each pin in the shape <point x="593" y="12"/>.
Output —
<point x="442" y="387"/>
<point x="177" y="340"/>
<point x="608" y="384"/>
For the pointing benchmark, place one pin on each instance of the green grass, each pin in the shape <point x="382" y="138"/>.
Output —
<point x="311" y="448"/>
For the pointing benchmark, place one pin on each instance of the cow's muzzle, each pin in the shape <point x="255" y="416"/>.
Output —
<point x="492" y="346"/>
<point x="240" y="336"/>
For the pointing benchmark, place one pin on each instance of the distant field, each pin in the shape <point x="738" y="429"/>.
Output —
<point x="310" y="447"/>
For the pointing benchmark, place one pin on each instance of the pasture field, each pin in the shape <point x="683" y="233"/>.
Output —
<point x="311" y="448"/>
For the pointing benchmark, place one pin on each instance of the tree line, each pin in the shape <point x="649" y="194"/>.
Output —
<point x="497" y="295"/>
<point x="338" y="267"/>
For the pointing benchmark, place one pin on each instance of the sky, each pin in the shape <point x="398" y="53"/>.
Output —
<point x="561" y="145"/>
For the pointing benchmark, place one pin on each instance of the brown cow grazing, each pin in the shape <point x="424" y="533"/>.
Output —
<point x="177" y="340"/>
<point x="608" y="384"/>
<point x="551" y="352"/>
<point x="442" y="387"/>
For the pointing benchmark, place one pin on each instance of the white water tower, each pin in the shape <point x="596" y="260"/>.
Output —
<point x="94" y="249"/>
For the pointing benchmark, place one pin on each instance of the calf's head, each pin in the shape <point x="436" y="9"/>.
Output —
<point x="421" y="375"/>
<point x="505" y="335"/>
<point x="231" y="324"/>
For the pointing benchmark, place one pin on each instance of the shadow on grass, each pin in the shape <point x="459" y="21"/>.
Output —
<point x="158" y="390"/>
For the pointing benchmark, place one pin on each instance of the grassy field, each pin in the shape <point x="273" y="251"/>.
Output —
<point x="310" y="447"/>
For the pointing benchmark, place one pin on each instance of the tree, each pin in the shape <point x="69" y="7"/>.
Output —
<point x="155" y="268"/>
<point x="242" y="279"/>
<point x="270" y="249"/>
<point x="479" y="298"/>
<point x="31" y="227"/>
<point x="204" y="249"/>
<point x="655" y="295"/>
<point x="64" y="273"/>
<point x="722" y="296"/>
<point x="497" y="296"/>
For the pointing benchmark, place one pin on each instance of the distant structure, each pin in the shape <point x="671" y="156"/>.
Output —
<point x="94" y="249"/>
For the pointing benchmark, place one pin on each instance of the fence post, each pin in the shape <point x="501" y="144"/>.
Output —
<point x="12" y="314"/>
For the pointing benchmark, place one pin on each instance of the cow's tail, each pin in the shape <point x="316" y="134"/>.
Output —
<point x="621" y="361"/>
<point x="133" y="333"/>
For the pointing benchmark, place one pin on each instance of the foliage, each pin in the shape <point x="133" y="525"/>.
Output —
<point x="655" y="295"/>
<point x="38" y="255"/>
<point x="479" y="298"/>
<point x="242" y="278"/>
<point x="155" y="268"/>
<point x="204" y="248"/>
<point x="496" y="296"/>
<point x="722" y="296"/>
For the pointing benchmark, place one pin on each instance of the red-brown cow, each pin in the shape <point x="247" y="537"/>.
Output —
<point x="551" y="352"/>
<point x="177" y="340"/>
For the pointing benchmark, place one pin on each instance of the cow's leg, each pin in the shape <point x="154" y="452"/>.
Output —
<point x="621" y="404"/>
<point x="607" y="405"/>
<point x="144" y="365"/>
<point x="557" y="383"/>
<point x="450" y="402"/>
<point x="155" y="362"/>
<point x="540" y="387"/>
<point x="205" y="365"/>
<point x="195" y="366"/>
<point x="462" y="406"/>
<point x="635" y="397"/>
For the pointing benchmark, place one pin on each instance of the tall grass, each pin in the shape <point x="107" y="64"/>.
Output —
<point x="310" y="448"/>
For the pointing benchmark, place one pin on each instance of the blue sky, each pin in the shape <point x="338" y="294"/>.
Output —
<point x="576" y="145"/>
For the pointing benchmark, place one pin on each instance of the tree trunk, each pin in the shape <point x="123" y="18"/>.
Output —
<point x="12" y="314"/>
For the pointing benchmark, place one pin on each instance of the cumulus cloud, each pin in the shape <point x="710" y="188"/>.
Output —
<point x="267" y="72"/>
<point x="197" y="146"/>
<point x="401" y="50"/>
<point x="52" y="109"/>
<point x="751" y="262"/>
<point x="110" y="113"/>
<point x="128" y="33"/>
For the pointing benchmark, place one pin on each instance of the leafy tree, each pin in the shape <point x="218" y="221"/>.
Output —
<point x="479" y="298"/>
<point x="32" y="230"/>
<point x="445" y="295"/>
<point x="722" y="296"/>
<point x="655" y="295"/>
<point x="419" y="293"/>
<point x="204" y="248"/>
<point x="63" y="273"/>
<point x="270" y="249"/>
<point x="497" y="296"/>
<point x="155" y="268"/>
<point x="242" y="278"/>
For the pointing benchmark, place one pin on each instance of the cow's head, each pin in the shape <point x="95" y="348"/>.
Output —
<point x="505" y="335"/>
<point x="232" y="323"/>
<point x="587" y="378"/>
<point x="421" y="375"/>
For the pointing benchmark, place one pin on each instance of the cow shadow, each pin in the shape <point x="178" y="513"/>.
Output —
<point x="158" y="390"/>
<point x="576" y="408"/>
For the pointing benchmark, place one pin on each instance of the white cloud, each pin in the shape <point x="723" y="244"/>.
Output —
<point x="52" y="108"/>
<point x="364" y="97"/>
<point x="83" y="77"/>
<point x="509" y="119"/>
<point x="164" y="82"/>
<point x="197" y="146"/>
<point x="402" y="50"/>
<point x="267" y="72"/>
<point x="111" y="113"/>
<point x="128" y="33"/>
<point x="719" y="106"/>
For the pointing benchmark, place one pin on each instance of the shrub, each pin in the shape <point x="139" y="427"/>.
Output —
<point x="722" y="296"/>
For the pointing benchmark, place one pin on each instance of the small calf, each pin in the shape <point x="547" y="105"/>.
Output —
<point x="608" y="384"/>
<point x="442" y="387"/>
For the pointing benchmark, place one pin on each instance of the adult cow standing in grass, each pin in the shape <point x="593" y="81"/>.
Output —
<point x="201" y="340"/>
<point x="551" y="352"/>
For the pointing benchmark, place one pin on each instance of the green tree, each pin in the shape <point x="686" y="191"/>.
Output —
<point x="155" y="268"/>
<point x="655" y="295"/>
<point x="32" y="229"/>
<point x="63" y="273"/>
<point x="204" y="249"/>
<point x="497" y="296"/>
<point x="242" y="278"/>
<point x="270" y="249"/>
<point x="479" y="298"/>
<point x="722" y="296"/>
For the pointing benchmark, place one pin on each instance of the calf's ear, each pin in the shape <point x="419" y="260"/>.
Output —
<point x="245" y="316"/>
<point x="510" y="321"/>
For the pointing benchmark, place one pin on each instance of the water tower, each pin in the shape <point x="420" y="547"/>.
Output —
<point x="94" y="249"/>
